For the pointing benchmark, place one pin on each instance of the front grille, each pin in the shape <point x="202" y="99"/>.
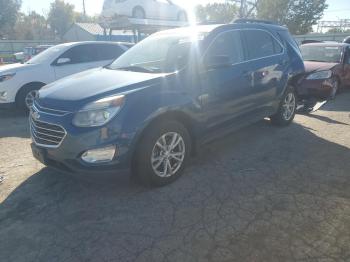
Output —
<point x="49" y="111"/>
<point x="45" y="134"/>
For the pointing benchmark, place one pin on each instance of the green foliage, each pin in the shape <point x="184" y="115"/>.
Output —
<point x="8" y="15"/>
<point x="338" y="30"/>
<point x="32" y="27"/>
<point x="61" y="17"/>
<point x="218" y="12"/>
<point x="81" y="18"/>
<point x="298" y="15"/>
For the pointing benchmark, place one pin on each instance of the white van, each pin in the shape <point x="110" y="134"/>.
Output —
<point x="144" y="9"/>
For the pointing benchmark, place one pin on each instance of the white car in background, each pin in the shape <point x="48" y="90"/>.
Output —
<point x="19" y="82"/>
<point x="144" y="9"/>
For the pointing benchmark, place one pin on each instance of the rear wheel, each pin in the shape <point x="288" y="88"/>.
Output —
<point x="162" y="153"/>
<point x="287" y="109"/>
<point x="182" y="17"/>
<point x="138" y="13"/>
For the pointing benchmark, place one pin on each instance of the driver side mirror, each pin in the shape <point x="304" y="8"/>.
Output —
<point x="63" y="61"/>
<point x="218" y="61"/>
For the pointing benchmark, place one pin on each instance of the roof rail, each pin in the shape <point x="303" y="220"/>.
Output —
<point x="250" y="21"/>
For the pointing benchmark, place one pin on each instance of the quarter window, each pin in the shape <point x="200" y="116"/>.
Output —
<point x="228" y="44"/>
<point x="261" y="44"/>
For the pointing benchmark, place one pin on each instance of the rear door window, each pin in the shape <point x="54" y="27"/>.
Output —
<point x="261" y="44"/>
<point x="108" y="52"/>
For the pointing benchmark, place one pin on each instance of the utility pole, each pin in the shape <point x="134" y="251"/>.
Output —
<point x="242" y="9"/>
<point x="84" y="8"/>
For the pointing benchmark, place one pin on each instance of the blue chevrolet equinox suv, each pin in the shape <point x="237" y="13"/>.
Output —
<point x="151" y="108"/>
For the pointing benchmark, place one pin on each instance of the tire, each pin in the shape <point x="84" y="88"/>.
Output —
<point x="22" y="96"/>
<point x="335" y="89"/>
<point x="153" y="164"/>
<point x="286" y="110"/>
<point x="182" y="17"/>
<point x="139" y="13"/>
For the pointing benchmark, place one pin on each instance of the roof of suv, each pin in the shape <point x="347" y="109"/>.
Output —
<point x="212" y="27"/>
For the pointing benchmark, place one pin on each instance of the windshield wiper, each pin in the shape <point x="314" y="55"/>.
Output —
<point x="312" y="60"/>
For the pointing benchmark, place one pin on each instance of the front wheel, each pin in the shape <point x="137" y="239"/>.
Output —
<point x="162" y="153"/>
<point x="287" y="109"/>
<point x="26" y="96"/>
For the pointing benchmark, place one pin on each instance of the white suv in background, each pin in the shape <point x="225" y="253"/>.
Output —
<point x="19" y="82"/>
<point x="144" y="9"/>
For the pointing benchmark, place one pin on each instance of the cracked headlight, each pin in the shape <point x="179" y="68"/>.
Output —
<point x="320" y="75"/>
<point x="99" y="112"/>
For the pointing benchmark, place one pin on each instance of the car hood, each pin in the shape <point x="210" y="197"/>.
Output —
<point x="318" y="66"/>
<point x="14" y="68"/>
<point x="73" y="92"/>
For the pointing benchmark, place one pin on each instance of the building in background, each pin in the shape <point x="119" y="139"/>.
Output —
<point x="94" y="32"/>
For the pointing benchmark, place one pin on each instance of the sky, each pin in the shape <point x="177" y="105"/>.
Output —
<point x="338" y="9"/>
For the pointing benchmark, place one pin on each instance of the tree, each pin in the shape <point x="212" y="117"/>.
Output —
<point x="32" y="27"/>
<point x="246" y="8"/>
<point x="217" y="12"/>
<point x="81" y="18"/>
<point x="8" y="15"/>
<point x="338" y="30"/>
<point x="298" y="15"/>
<point x="61" y="17"/>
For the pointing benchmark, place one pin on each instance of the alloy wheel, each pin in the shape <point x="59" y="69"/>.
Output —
<point x="289" y="106"/>
<point x="29" y="99"/>
<point x="168" y="154"/>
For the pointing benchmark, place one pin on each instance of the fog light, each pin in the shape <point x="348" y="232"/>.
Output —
<point x="3" y="95"/>
<point x="105" y="154"/>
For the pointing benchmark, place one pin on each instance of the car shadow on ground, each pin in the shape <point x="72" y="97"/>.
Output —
<point x="341" y="102"/>
<point x="260" y="194"/>
<point x="14" y="123"/>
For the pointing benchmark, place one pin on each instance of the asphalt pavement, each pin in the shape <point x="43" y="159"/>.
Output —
<point x="260" y="194"/>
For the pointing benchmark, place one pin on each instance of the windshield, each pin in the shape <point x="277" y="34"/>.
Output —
<point x="47" y="55"/>
<point x="330" y="54"/>
<point x="157" y="54"/>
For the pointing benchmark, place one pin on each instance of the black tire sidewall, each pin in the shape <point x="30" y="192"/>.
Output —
<point x="143" y="169"/>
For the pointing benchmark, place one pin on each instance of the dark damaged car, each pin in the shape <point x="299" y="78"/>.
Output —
<point x="327" y="68"/>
